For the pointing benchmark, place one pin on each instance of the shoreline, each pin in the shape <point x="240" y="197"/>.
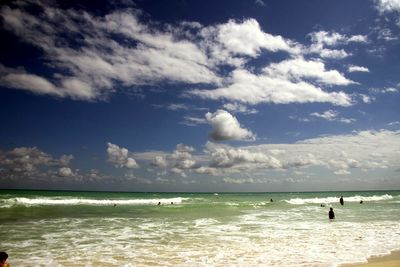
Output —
<point x="390" y="260"/>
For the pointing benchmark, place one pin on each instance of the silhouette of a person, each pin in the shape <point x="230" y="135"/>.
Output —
<point x="331" y="214"/>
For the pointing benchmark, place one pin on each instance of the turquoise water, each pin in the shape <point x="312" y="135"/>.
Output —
<point x="50" y="228"/>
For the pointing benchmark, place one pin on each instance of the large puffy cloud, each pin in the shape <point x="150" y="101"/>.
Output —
<point x="65" y="172"/>
<point x="226" y="127"/>
<point x="253" y="89"/>
<point x="247" y="38"/>
<point x="120" y="157"/>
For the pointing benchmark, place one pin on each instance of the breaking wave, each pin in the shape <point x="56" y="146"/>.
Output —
<point x="23" y="201"/>
<point x="328" y="200"/>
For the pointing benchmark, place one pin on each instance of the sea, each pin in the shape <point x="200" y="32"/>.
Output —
<point x="63" y="228"/>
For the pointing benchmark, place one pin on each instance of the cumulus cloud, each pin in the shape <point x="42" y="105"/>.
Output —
<point x="247" y="38"/>
<point x="228" y="157"/>
<point x="33" y="164"/>
<point x="226" y="127"/>
<point x="65" y="172"/>
<point x="180" y="161"/>
<point x="29" y="159"/>
<point x="364" y="150"/>
<point x="120" y="157"/>
<point x="340" y="154"/>
<point x="343" y="152"/>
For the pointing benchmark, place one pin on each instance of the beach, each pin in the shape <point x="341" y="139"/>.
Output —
<point x="55" y="228"/>
<point x="391" y="260"/>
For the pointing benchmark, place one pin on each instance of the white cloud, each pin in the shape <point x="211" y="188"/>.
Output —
<point x="120" y="157"/>
<point x="332" y="115"/>
<point x="321" y="39"/>
<point x="32" y="164"/>
<point x="193" y="121"/>
<point x="339" y="154"/>
<point x="97" y="63"/>
<point x="295" y="69"/>
<point x="159" y="162"/>
<point x="387" y="90"/>
<point x="230" y="180"/>
<point x="365" y="150"/>
<point x="247" y="38"/>
<point x="334" y="38"/>
<point x="327" y="115"/>
<point x="353" y="68"/>
<point x="388" y="5"/>
<point x="250" y="88"/>
<point x="65" y="172"/>
<point x="29" y="82"/>
<point x="260" y="2"/>
<point x="78" y="44"/>
<point x="229" y="157"/>
<point x="180" y="161"/>
<point x="226" y="127"/>
<point x="239" y="108"/>
<point x="175" y="106"/>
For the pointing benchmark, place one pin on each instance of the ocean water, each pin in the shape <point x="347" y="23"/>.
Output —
<point x="49" y="228"/>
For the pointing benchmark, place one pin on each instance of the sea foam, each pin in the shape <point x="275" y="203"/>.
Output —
<point x="328" y="200"/>
<point x="23" y="201"/>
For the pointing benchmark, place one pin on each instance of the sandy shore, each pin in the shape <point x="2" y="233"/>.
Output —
<point x="392" y="260"/>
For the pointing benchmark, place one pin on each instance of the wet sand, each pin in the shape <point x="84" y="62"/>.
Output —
<point x="392" y="260"/>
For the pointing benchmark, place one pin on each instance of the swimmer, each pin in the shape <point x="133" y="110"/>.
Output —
<point x="331" y="214"/>
<point x="3" y="259"/>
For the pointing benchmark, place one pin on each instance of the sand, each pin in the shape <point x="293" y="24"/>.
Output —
<point x="392" y="260"/>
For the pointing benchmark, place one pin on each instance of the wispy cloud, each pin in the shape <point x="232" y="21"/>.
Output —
<point x="353" y="68"/>
<point x="90" y="57"/>
<point x="332" y="115"/>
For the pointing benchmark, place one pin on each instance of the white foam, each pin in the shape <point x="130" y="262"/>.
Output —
<point x="87" y="201"/>
<point x="328" y="200"/>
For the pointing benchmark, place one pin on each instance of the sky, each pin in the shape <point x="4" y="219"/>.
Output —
<point x="189" y="95"/>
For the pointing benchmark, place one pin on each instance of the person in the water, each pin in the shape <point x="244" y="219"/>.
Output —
<point x="341" y="201"/>
<point x="331" y="214"/>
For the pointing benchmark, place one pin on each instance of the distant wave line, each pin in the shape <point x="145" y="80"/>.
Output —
<point x="85" y="201"/>
<point x="328" y="200"/>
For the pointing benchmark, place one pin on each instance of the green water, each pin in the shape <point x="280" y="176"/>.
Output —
<point x="52" y="228"/>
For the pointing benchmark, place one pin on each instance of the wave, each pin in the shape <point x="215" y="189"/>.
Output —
<point x="23" y="201"/>
<point x="328" y="200"/>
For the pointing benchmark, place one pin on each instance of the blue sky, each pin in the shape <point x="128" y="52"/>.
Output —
<point x="200" y="95"/>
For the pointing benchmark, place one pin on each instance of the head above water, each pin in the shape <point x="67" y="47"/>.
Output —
<point x="3" y="257"/>
<point x="331" y="208"/>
